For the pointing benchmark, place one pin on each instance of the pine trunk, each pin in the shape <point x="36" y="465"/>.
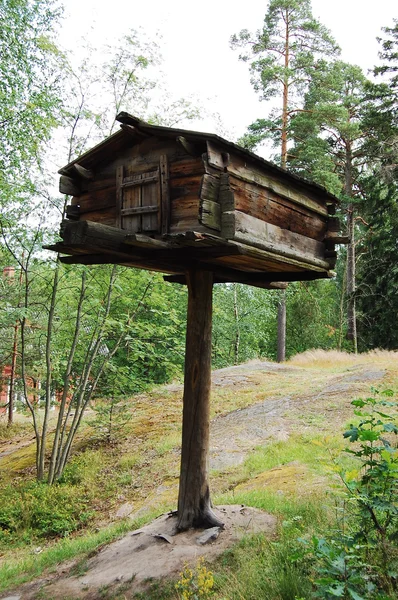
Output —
<point x="237" y="329"/>
<point x="351" y="279"/>
<point x="281" y="351"/>
<point x="281" y="342"/>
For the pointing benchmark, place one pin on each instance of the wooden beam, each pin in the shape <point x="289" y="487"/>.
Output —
<point x="82" y="172"/>
<point x="139" y="210"/>
<point x="264" y="255"/>
<point x="69" y="186"/>
<point x="116" y="257"/>
<point x="253" y="174"/>
<point x="119" y="195"/>
<point x="189" y="147"/>
<point x="144" y="241"/>
<point x="88" y="238"/>
<point x="130" y="182"/>
<point x="225" y="275"/>
<point x="267" y="285"/>
<point x="333" y="224"/>
<point x="209" y="187"/>
<point x="210" y="214"/>
<point x="87" y="232"/>
<point x="226" y="195"/>
<point x="134" y="132"/>
<point x="216" y="156"/>
<point x="164" y="195"/>
<point x="243" y="228"/>
<point x="336" y="238"/>
<point x="87" y="259"/>
<point x="73" y="211"/>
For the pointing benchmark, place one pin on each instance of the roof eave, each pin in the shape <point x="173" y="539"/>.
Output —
<point x="122" y="136"/>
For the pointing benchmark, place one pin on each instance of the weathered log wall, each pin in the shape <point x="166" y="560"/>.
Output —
<point x="98" y="199"/>
<point x="159" y="186"/>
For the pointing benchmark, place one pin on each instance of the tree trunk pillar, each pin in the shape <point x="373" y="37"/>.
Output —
<point x="194" y="504"/>
<point x="281" y="342"/>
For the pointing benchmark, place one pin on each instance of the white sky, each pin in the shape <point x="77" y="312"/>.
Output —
<point x="195" y="42"/>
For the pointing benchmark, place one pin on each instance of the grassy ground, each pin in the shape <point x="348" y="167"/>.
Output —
<point x="293" y="479"/>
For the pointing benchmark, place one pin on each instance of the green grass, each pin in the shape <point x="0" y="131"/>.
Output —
<point x="290" y="479"/>
<point x="281" y="506"/>
<point x="18" y="428"/>
<point x="311" y="450"/>
<point x="26" y="568"/>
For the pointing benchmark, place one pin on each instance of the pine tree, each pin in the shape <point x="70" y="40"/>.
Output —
<point x="281" y="56"/>
<point x="378" y="273"/>
<point x="332" y="146"/>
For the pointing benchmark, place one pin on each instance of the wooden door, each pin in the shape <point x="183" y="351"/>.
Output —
<point x="143" y="199"/>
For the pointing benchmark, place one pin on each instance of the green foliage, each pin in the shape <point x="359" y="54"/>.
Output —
<point x="259" y="567"/>
<point x="377" y="271"/>
<point x="360" y="559"/>
<point x="312" y="316"/>
<point x="15" y="573"/>
<point x="244" y="320"/>
<point x="329" y="133"/>
<point x="389" y="55"/>
<point x="283" y="53"/>
<point x="31" y="511"/>
<point x="243" y="324"/>
<point x="111" y="418"/>
<point x="377" y="268"/>
<point x="30" y="68"/>
<point x="8" y="432"/>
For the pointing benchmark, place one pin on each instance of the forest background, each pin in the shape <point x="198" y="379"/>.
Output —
<point x="74" y="335"/>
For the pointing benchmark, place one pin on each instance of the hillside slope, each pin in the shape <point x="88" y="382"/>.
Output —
<point x="264" y="422"/>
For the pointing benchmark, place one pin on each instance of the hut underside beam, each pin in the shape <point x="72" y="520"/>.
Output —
<point x="230" y="261"/>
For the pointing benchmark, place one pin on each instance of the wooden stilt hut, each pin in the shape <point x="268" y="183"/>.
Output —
<point x="201" y="210"/>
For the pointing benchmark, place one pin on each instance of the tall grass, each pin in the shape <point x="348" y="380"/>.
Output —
<point x="317" y="358"/>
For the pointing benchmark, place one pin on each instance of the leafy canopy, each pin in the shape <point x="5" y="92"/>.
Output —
<point x="29" y="80"/>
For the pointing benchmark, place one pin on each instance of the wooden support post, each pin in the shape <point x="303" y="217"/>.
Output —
<point x="194" y="504"/>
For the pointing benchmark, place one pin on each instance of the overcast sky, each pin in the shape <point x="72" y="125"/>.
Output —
<point x="195" y="42"/>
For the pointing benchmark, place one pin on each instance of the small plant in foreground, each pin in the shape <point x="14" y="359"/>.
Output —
<point x="111" y="418"/>
<point x="195" y="584"/>
<point x="360" y="561"/>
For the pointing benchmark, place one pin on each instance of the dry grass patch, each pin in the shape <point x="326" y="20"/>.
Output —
<point x="329" y="359"/>
<point x="325" y="359"/>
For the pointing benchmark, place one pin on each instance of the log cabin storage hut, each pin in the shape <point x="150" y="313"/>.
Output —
<point x="202" y="210"/>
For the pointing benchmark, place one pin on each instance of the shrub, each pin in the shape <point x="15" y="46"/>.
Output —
<point x="195" y="584"/>
<point x="360" y="559"/>
<point x="36" y="510"/>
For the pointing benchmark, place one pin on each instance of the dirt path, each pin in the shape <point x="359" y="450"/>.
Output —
<point x="155" y="550"/>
